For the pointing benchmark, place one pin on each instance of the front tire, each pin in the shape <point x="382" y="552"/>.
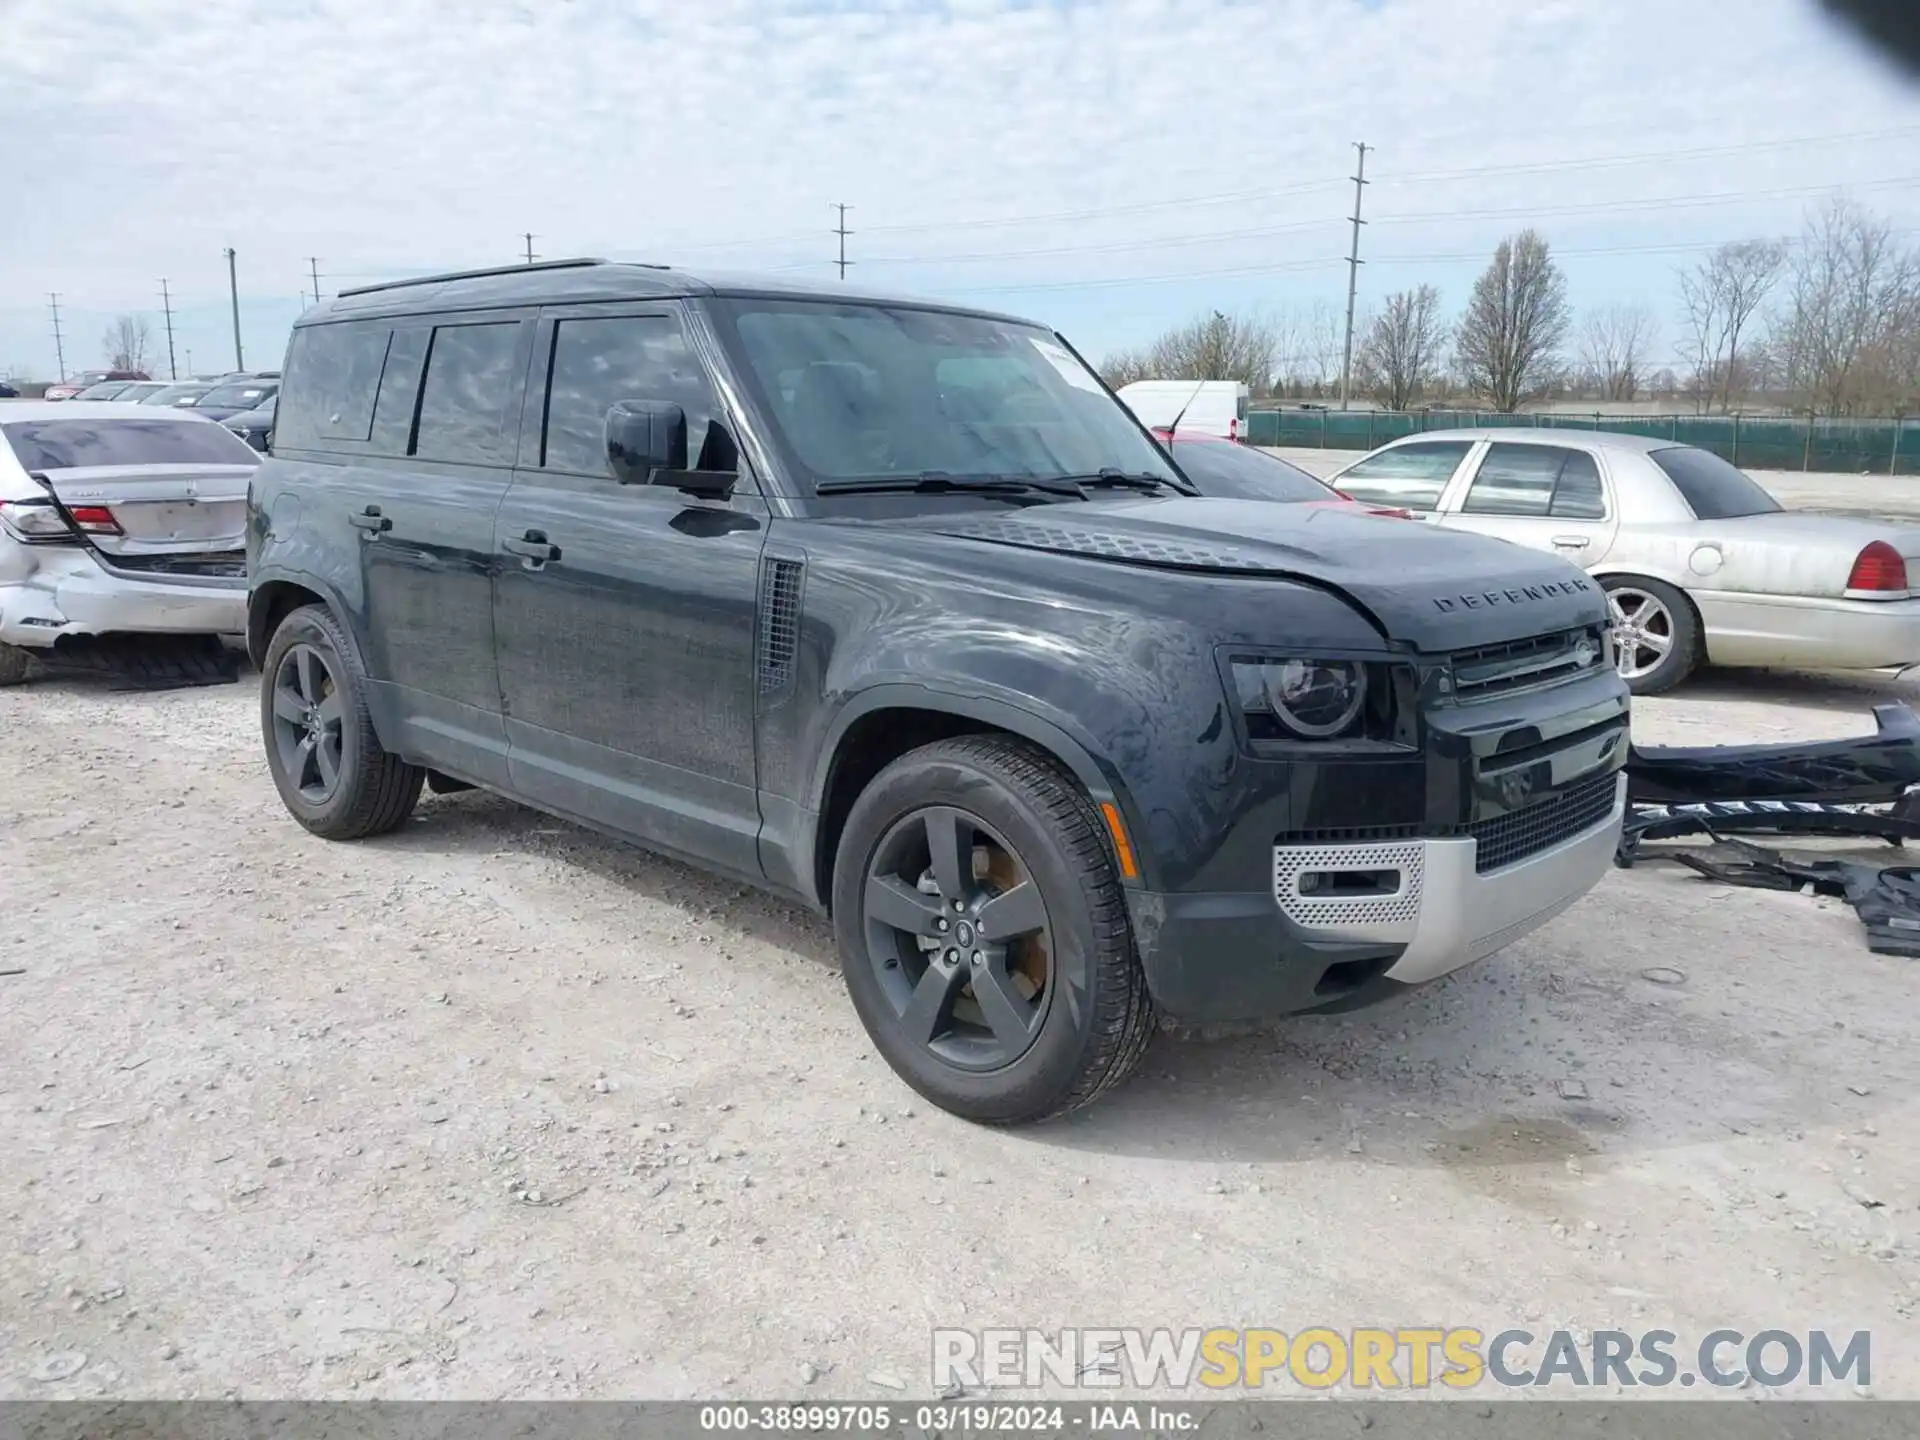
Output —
<point x="16" y="665"/>
<point x="1656" y="633"/>
<point x="983" y="934"/>
<point x="326" y="761"/>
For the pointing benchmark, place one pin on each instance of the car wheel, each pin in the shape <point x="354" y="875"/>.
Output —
<point x="326" y="760"/>
<point x="15" y="665"/>
<point x="983" y="934"/>
<point x="1656" y="633"/>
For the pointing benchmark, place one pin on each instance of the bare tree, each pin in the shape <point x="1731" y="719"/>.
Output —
<point x="1718" y="298"/>
<point x="1401" y="352"/>
<point x="1123" y="367"/>
<point x="1848" y="337"/>
<point x="1215" y="346"/>
<point x="1613" y="347"/>
<point x="1322" y="347"/>
<point x="127" y="342"/>
<point x="1509" y="340"/>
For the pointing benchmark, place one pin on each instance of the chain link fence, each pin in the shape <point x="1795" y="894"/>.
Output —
<point x="1753" y="442"/>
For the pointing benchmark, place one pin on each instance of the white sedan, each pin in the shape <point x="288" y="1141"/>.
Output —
<point x="1700" y="564"/>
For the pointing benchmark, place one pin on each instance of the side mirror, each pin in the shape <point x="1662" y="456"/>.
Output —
<point x="647" y="445"/>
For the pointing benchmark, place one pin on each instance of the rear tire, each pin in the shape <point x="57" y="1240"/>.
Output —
<point x="325" y="758"/>
<point x="16" y="665"/>
<point x="1648" y="613"/>
<point x="1013" y="1033"/>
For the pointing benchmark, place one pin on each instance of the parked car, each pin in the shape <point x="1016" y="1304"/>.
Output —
<point x="183" y="396"/>
<point x="105" y="390"/>
<point x="254" y="426"/>
<point x="116" y="520"/>
<point x="1225" y="470"/>
<point x="139" y="390"/>
<point x="230" y="399"/>
<point x="1209" y="407"/>
<point x="86" y="379"/>
<point x="893" y="609"/>
<point x="7" y="392"/>
<point x="1700" y="564"/>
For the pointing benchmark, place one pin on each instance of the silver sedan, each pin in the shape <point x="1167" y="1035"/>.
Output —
<point x="1700" y="563"/>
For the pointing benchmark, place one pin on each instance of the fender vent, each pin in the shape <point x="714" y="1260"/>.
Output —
<point x="779" y="622"/>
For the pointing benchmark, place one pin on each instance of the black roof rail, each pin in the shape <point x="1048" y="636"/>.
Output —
<point x="473" y="274"/>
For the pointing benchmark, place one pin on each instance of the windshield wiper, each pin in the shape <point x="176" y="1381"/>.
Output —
<point x="940" y="482"/>
<point x="1115" y="479"/>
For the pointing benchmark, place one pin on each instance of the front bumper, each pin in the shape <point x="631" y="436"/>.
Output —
<point x="66" y="591"/>
<point x="1428" y="910"/>
<point x="1816" y="633"/>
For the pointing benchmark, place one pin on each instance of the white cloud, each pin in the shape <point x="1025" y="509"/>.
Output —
<point x="389" y="135"/>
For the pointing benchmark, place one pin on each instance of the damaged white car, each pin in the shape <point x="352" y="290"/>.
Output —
<point x="121" y="537"/>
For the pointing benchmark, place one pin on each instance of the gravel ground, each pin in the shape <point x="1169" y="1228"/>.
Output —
<point x="497" y="1108"/>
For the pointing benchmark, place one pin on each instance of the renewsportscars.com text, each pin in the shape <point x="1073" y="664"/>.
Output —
<point x="1459" y="1358"/>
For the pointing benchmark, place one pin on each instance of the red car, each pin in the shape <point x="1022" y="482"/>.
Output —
<point x="1227" y="470"/>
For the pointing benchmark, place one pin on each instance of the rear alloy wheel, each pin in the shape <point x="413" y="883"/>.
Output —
<point x="983" y="934"/>
<point x="326" y="760"/>
<point x="15" y="664"/>
<point x="1656" y="637"/>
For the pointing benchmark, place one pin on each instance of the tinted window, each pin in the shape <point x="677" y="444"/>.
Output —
<point x="1712" y="488"/>
<point x="1578" y="495"/>
<point x="634" y="357"/>
<point x="333" y="373"/>
<point x="244" y="397"/>
<point x="878" y="392"/>
<point x="70" y="444"/>
<point x="1515" y="480"/>
<point x="463" y="399"/>
<point x="1407" y="475"/>
<point x="1227" y="471"/>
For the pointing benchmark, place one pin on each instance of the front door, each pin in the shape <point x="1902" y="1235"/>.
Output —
<point x="1546" y="497"/>
<point x="624" y="614"/>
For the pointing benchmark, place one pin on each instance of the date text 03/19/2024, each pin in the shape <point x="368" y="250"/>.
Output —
<point x="950" y="1417"/>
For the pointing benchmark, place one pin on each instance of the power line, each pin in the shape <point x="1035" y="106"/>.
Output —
<point x="166" y="308"/>
<point x="842" y="232"/>
<point x="1353" y="269"/>
<point x="59" y="346"/>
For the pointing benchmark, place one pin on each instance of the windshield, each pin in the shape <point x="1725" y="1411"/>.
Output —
<point x="105" y="390"/>
<point x="1713" y="489"/>
<point x="1226" y="471"/>
<point x="176" y="395"/>
<point x="237" y="397"/>
<point x="874" y="392"/>
<point x="72" y="444"/>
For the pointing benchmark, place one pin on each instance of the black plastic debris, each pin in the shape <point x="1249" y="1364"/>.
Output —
<point x="145" y="662"/>
<point x="1859" y="769"/>
<point x="1887" y="899"/>
<point x="1895" y="824"/>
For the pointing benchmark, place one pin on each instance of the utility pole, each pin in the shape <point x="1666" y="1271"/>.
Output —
<point x="59" y="348"/>
<point x="233" y="288"/>
<point x="189" y="362"/>
<point x="528" y="237"/>
<point x="843" y="232"/>
<point x="1353" y="271"/>
<point x="313" y="264"/>
<point x="166" y="307"/>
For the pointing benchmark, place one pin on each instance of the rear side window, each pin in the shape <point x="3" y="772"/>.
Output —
<point x="1578" y="495"/>
<point x="1411" y="476"/>
<point x="464" y="396"/>
<point x="333" y="374"/>
<point x="1712" y="488"/>
<point x="1538" y="481"/>
<point x="73" y="444"/>
<point x="597" y="362"/>
<point x="1226" y="471"/>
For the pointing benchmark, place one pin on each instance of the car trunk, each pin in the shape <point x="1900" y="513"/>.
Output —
<point x="1799" y="553"/>
<point x="160" y="519"/>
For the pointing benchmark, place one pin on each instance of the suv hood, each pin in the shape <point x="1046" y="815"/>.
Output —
<point x="1438" y="590"/>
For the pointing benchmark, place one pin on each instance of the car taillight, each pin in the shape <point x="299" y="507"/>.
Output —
<point x="94" y="519"/>
<point x="1879" y="573"/>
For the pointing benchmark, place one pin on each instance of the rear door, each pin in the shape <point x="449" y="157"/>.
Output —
<point x="1546" y="497"/>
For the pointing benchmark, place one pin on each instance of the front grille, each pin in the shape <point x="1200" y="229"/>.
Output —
<point x="1512" y="838"/>
<point x="222" y="564"/>
<point x="1515" y="664"/>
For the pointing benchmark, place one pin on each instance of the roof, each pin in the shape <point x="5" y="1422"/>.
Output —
<point x="93" y="410"/>
<point x="568" y="282"/>
<point x="1546" y="435"/>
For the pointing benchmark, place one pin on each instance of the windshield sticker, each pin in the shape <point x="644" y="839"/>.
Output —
<point x="1071" y="370"/>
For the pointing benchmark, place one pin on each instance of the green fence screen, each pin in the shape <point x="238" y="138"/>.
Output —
<point x="1753" y="442"/>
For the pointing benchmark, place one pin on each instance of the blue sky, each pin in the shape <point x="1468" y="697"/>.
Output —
<point x="1110" y="166"/>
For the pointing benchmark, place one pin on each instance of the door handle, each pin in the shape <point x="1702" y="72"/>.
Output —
<point x="1570" y="542"/>
<point x="370" y="519"/>
<point x="533" y="545"/>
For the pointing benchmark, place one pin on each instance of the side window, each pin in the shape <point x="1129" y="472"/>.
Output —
<point x="333" y="374"/>
<point x="463" y="399"/>
<point x="1515" y="480"/>
<point x="598" y="361"/>
<point x="1578" y="495"/>
<point x="399" y="388"/>
<point x="1411" y="476"/>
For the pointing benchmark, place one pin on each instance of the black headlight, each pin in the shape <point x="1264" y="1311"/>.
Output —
<point x="1314" y="699"/>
